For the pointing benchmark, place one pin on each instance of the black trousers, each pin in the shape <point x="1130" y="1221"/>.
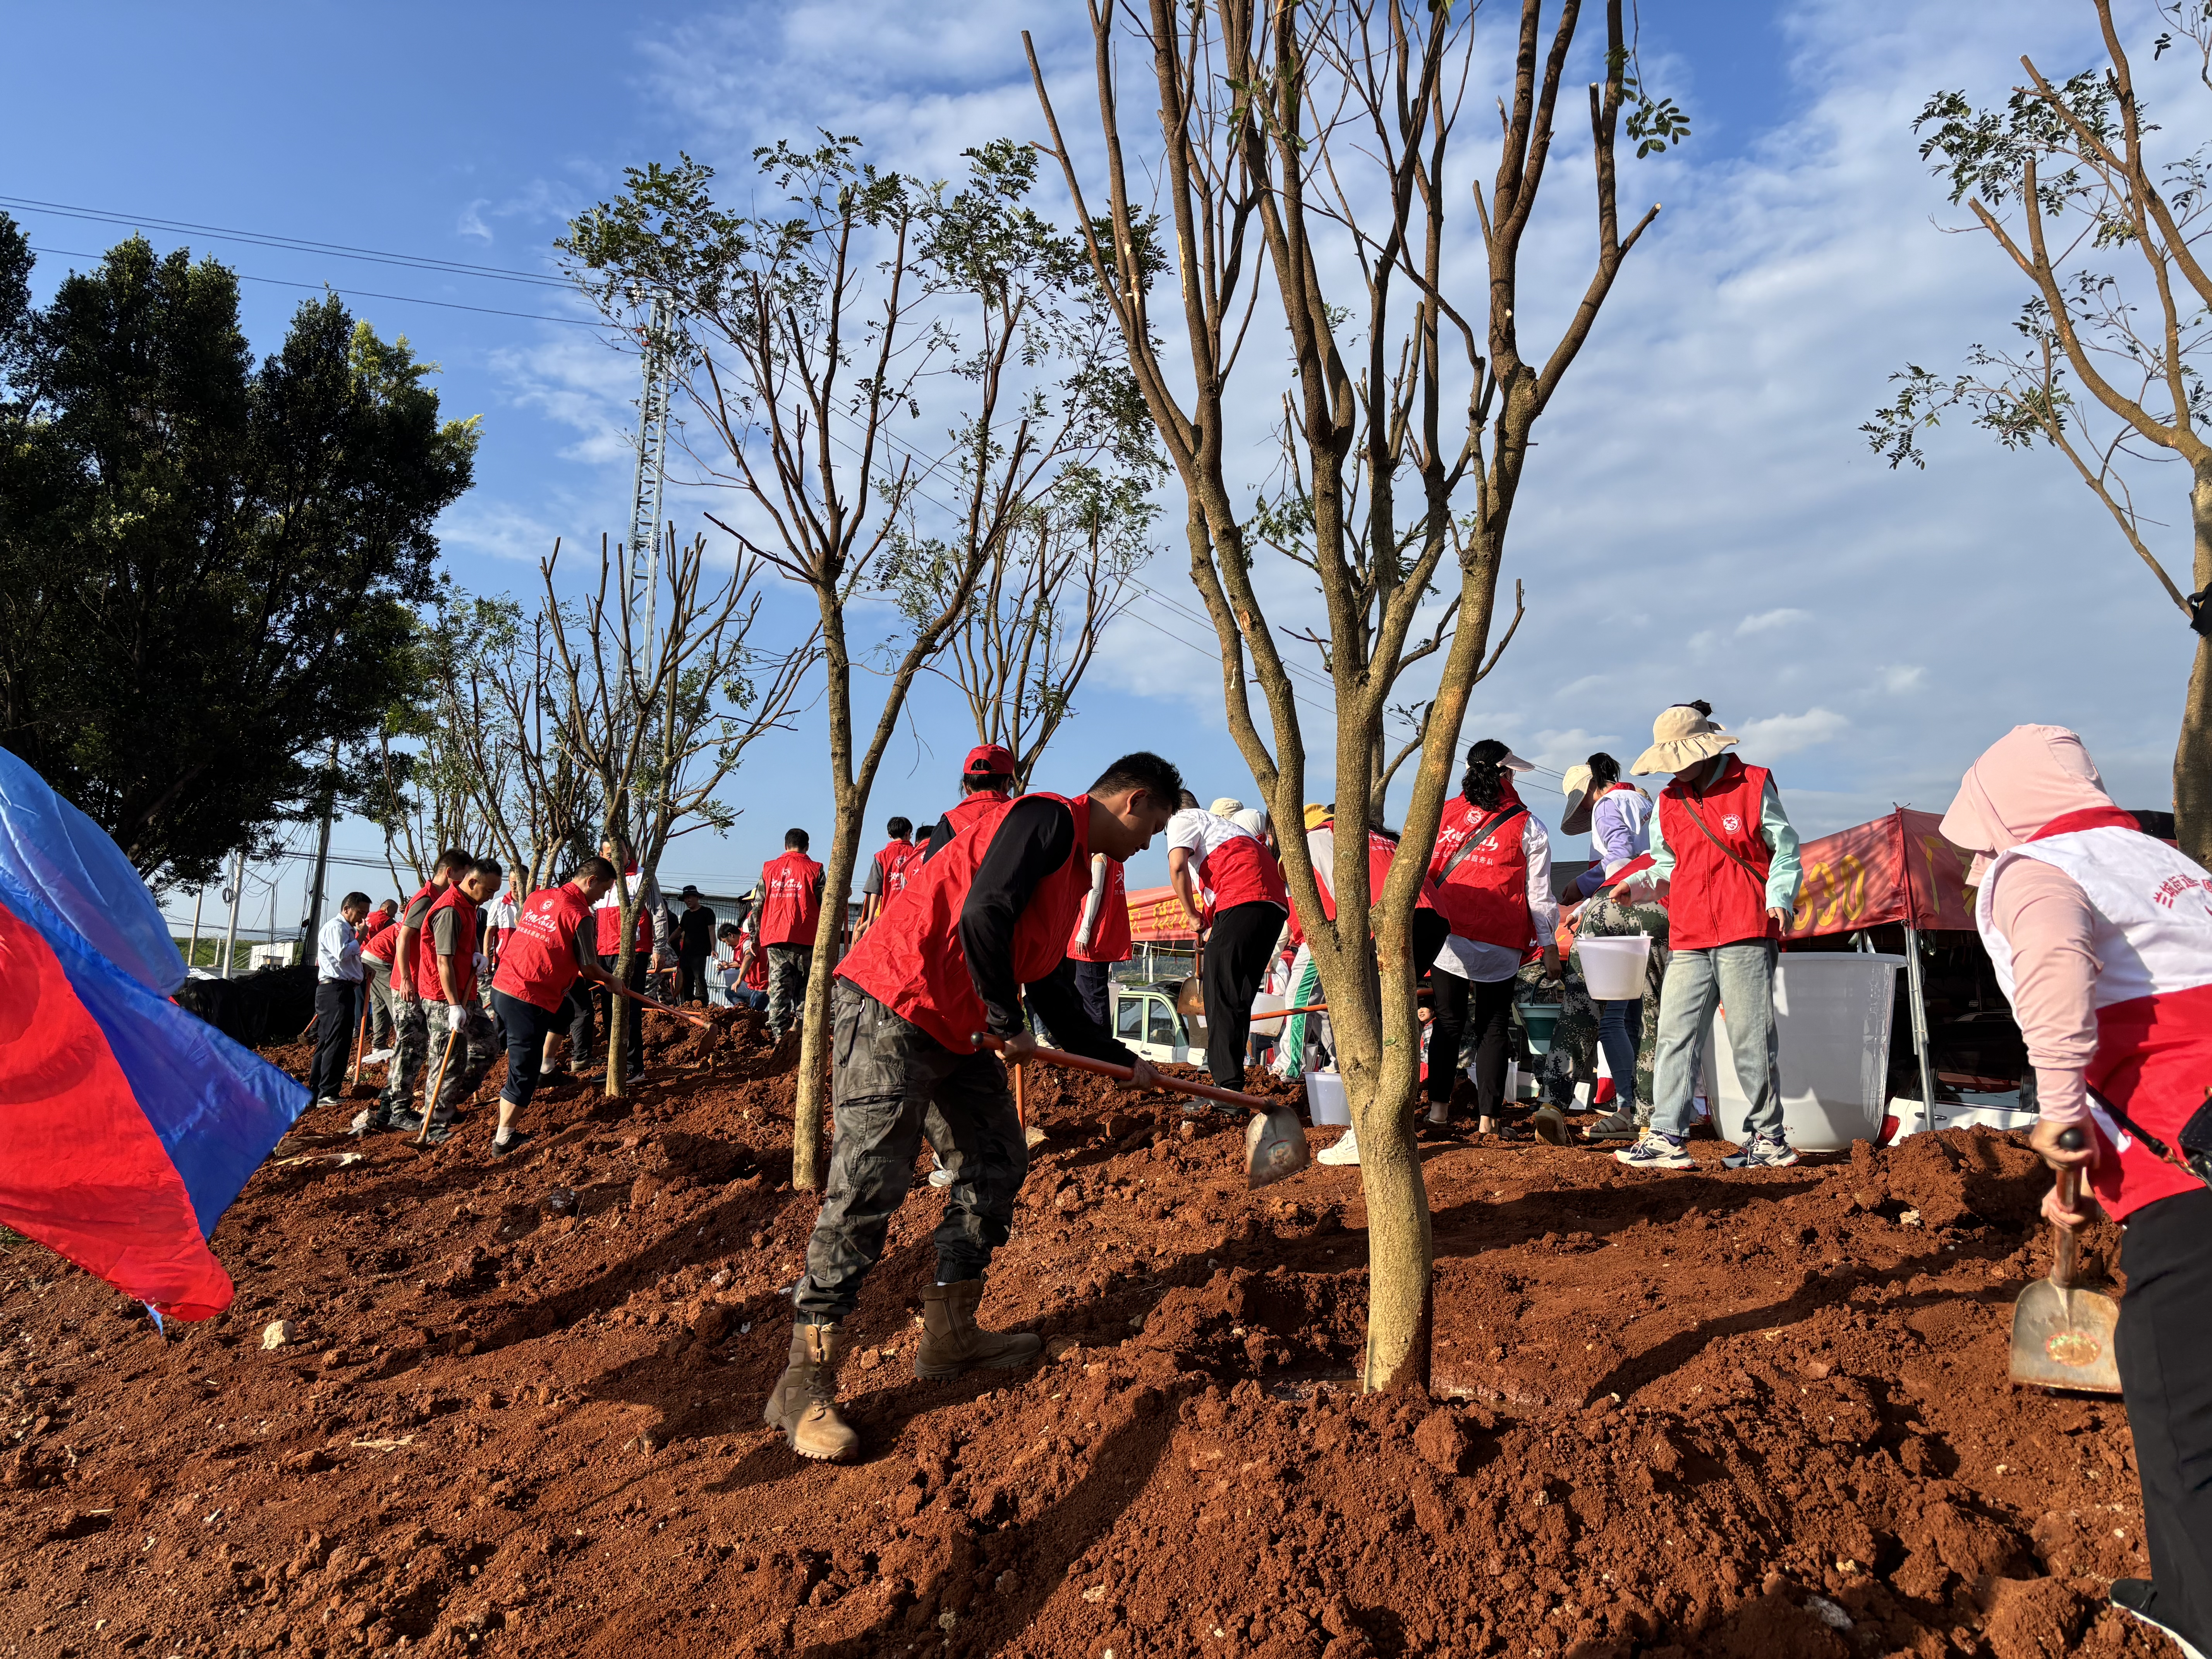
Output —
<point x="1492" y="1012"/>
<point x="2164" y="1347"/>
<point x="577" y="1009"/>
<point x="1236" y="953"/>
<point x="525" y="1025"/>
<point x="691" y="982"/>
<point x="338" y="1012"/>
<point x="1091" y="979"/>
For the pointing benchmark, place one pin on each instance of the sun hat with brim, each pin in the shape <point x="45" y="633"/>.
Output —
<point x="1681" y="738"/>
<point x="1316" y="814"/>
<point x="1226" y="807"/>
<point x="1575" y="786"/>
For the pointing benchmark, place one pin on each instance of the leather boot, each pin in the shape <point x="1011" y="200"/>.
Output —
<point x="803" y="1402"/>
<point x="952" y="1343"/>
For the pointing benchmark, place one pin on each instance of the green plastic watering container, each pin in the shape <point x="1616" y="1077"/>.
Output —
<point x="1540" y="1018"/>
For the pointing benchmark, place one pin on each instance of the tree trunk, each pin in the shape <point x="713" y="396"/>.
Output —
<point x="2192" y="755"/>
<point x="809" y="1166"/>
<point x="1401" y="1256"/>
<point x="618" y="1010"/>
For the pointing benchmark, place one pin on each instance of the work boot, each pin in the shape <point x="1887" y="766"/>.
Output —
<point x="952" y="1343"/>
<point x="803" y="1402"/>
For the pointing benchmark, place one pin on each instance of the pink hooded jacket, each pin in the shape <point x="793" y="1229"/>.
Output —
<point x="2031" y="776"/>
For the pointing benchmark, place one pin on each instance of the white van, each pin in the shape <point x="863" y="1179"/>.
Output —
<point x="1145" y="1021"/>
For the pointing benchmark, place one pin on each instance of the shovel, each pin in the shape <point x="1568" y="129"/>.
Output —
<point x="1274" y="1142"/>
<point x="2062" y="1335"/>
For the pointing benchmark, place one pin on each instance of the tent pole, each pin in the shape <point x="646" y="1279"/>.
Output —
<point x="1919" y="999"/>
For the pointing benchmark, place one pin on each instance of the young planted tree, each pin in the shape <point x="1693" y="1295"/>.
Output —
<point x="2106" y="224"/>
<point x="822" y="349"/>
<point x="1051" y="584"/>
<point x="661" y="718"/>
<point x="1310" y="144"/>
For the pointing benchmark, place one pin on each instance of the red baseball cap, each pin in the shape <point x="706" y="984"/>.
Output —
<point x="989" y="760"/>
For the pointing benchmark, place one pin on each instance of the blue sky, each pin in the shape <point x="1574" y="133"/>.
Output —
<point x="1702" y="518"/>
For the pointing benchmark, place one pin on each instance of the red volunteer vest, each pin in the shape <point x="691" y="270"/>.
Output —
<point x="1242" y="872"/>
<point x="427" y="984"/>
<point x="897" y="862"/>
<point x="1381" y="852"/>
<point x="972" y="807"/>
<point x="606" y="921"/>
<point x="756" y="974"/>
<point x="427" y="890"/>
<point x="1485" y="898"/>
<point x="2153" y="995"/>
<point x="1711" y="900"/>
<point x="791" y="900"/>
<point x="383" y="939"/>
<point x="538" y="963"/>
<point x="1109" y="938"/>
<point x="911" y="960"/>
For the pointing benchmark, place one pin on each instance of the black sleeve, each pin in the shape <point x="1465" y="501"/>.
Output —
<point x="1035" y="837"/>
<point x="1060" y="1005"/>
<point x="939" y="833"/>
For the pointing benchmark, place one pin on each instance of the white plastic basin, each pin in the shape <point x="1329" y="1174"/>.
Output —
<point x="1613" y="968"/>
<point x="1325" y="1101"/>
<point x="1267" y="1003"/>
<point x="1832" y="1010"/>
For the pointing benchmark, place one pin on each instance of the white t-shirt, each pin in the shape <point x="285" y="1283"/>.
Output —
<point x="504" y="912"/>
<point x="1199" y="832"/>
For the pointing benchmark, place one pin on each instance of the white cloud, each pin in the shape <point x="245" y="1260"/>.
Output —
<point x="497" y="530"/>
<point x="471" y="222"/>
<point x="1900" y="678"/>
<point x="1785" y="734"/>
<point x="1770" y="622"/>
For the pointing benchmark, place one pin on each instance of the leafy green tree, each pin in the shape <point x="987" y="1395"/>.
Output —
<point x="208" y="568"/>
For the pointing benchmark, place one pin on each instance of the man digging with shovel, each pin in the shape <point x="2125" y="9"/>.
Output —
<point x="946" y="960"/>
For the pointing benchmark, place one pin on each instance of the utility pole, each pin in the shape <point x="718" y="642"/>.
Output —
<point x="230" y="939"/>
<point x="322" y="854"/>
<point x="192" y="950"/>
<point x="658" y="350"/>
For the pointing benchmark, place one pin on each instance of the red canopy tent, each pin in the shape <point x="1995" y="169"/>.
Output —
<point x="1897" y="868"/>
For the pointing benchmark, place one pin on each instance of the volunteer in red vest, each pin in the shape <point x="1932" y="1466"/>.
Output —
<point x="1101" y="939"/>
<point x="887" y="870"/>
<point x="499" y="921"/>
<point x="784" y="923"/>
<point x="548" y="949"/>
<point x="986" y="779"/>
<point x="1721" y="842"/>
<point x="379" y="938"/>
<point x="651" y="945"/>
<point x="462" y="1042"/>
<point x="987" y="916"/>
<point x="1244" y="907"/>
<point x="411" y="1030"/>
<point x="1613" y="815"/>
<point x="1492" y="872"/>
<point x="2101" y="938"/>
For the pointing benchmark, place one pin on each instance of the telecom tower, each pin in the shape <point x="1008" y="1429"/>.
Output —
<point x="644" y="544"/>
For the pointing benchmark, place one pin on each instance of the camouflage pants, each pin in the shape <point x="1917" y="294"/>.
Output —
<point x="1573" y="1056"/>
<point x="788" y="966"/>
<point x="892" y="1083"/>
<point x="411" y="1041"/>
<point x="420" y="1049"/>
<point x="1608" y="918"/>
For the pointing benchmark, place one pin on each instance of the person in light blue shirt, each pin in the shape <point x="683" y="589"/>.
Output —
<point x="338" y="977"/>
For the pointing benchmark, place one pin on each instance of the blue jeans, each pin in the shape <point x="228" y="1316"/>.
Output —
<point x="1619" y="1029"/>
<point x="1741" y="977"/>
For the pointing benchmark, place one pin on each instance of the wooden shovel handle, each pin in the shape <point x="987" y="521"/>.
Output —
<point x="1107" y="1068"/>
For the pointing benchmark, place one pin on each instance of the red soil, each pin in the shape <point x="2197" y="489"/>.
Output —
<point x="1723" y="1413"/>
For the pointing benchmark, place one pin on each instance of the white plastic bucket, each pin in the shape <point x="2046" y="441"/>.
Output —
<point x="1612" y="968"/>
<point x="1325" y="1101"/>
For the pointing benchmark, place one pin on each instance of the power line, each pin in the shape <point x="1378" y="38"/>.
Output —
<point x="265" y="238"/>
<point x="363" y="293"/>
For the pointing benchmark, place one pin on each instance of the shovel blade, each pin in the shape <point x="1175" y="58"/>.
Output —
<point x="2062" y="1338"/>
<point x="1274" y="1147"/>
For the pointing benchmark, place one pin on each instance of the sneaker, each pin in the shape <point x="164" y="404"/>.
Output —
<point x="940" y="1178"/>
<point x="1657" y="1151"/>
<point x="327" y="1100"/>
<point x="404" y="1122"/>
<point x="2138" y="1599"/>
<point x="1763" y="1152"/>
<point x="1345" y="1151"/>
<point x="370" y="1119"/>
<point x="376" y="1056"/>
<point x="436" y="1135"/>
<point x="1614" y="1126"/>
<point x="516" y="1141"/>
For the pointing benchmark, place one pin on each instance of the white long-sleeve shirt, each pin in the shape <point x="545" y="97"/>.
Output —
<point x="337" y="952"/>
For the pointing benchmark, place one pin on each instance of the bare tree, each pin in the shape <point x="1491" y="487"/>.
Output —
<point x="1051" y="584"/>
<point x="663" y="717"/>
<point x="1316" y="139"/>
<point x="422" y="798"/>
<point x="816" y="343"/>
<point x="2067" y="183"/>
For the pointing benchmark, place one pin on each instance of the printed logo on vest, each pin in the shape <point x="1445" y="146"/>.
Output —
<point x="1732" y="824"/>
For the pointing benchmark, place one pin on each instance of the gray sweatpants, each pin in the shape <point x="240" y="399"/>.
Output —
<point x="888" y="1076"/>
<point x="1741" y="978"/>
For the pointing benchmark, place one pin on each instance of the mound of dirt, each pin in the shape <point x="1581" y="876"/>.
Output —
<point x="518" y="1409"/>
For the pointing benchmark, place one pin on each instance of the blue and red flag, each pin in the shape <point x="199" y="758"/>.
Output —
<point x="127" y="1126"/>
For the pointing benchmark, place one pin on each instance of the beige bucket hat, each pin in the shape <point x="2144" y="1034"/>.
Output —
<point x="1575" y="785"/>
<point x="1681" y="738"/>
<point x="1226" y="807"/>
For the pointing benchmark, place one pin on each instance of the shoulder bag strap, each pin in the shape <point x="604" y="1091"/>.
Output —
<point x="1473" y="841"/>
<point x="1741" y="864"/>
